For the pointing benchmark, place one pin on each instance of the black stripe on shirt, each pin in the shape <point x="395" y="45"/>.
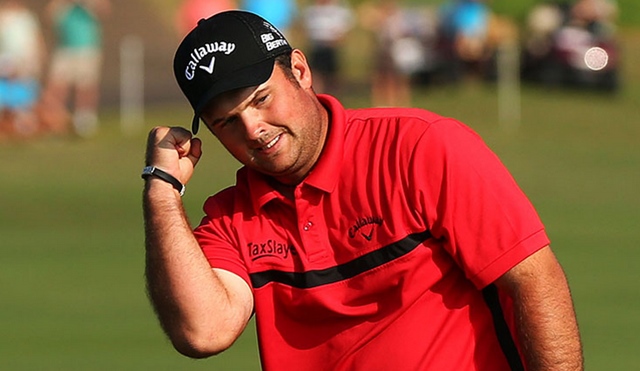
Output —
<point x="503" y="333"/>
<point x="315" y="278"/>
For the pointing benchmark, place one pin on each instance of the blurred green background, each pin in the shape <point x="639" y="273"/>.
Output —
<point x="71" y="242"/>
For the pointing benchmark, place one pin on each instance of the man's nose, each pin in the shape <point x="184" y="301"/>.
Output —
<point x="254" y="124"/>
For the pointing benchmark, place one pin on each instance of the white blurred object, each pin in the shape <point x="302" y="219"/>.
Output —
<point x="596" y="58"/>
<point x="544" y="19"/>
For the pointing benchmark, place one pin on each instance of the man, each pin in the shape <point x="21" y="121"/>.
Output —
<point x="327" y="22"/>
<point x="22" y="55"/>
<point x="372" y="239"/>
<point x="76" y="65"/>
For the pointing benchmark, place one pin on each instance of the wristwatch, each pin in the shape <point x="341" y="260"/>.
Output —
<point x="154" y="171"/>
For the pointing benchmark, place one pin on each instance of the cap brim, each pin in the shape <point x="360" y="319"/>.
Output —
<point x="253" y="75"/>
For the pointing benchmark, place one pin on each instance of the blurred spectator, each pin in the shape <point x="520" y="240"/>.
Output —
<point x="400" y="35"/>
<point x="326" y="23"/>
<point x="596" y="15"/>
<point x="464" y="32"/>
<point x="75" y="69"/>
<point x="22" y="53"/>
<point x="281" y="13"/>
<point x="543" y="22"/>
<point x="191" y="11"/>
<point x="559" y="36"/>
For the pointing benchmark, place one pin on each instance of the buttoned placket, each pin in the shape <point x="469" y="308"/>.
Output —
<point x="311" y="226"/>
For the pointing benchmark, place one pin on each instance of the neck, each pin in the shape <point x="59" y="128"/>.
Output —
<point x="311" y="159"/>
<point x="287" y="190"/>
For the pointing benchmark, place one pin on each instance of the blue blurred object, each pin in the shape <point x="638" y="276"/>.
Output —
<point x="279" y="12"/>
<point x="18" y="94"/>
<point x="467" y="17"/>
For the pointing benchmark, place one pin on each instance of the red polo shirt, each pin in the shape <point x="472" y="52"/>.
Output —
<point x="385" y="259"/>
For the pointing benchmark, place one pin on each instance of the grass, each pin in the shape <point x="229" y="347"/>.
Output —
<point x="72" y="242"/>
<point x="71" y="227"/>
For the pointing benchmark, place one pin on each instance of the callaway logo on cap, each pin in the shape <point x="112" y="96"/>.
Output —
<point x="230" y="50"/>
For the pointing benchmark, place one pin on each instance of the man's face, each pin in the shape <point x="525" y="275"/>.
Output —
<point x="276" y="128"/>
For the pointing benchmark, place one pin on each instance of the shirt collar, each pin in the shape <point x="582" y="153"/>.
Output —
<point x="323" y="176"/>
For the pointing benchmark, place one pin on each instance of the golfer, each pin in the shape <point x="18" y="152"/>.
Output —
<point x="370" y="239"/>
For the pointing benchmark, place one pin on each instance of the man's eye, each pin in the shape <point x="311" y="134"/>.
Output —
<point x="262" y="99"/>
<point x="223" y="122"/>
<point x="229" y="120"/>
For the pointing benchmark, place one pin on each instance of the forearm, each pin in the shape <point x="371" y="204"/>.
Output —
<point x="548" y="332"/>
<point x="545" y="319"/>
<point x="191" y="302"/>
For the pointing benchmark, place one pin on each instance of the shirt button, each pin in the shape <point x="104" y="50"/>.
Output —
<point x="307" y="226"/>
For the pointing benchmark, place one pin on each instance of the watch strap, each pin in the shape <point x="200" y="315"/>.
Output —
<point x="154" y="171"/>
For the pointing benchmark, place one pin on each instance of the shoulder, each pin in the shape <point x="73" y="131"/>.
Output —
<point x="394" y="114"/>
<point x="414" y="136"/>
<point x="413" y="124"/>
<point x="221" y="203"/>
<point x="237" y="197"/>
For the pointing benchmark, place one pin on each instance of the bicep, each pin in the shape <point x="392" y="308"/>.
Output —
<point x="541" y="271"/>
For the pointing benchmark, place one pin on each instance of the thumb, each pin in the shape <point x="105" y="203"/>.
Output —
<point x="195" y="152"/>
<point x="190" y="155"/>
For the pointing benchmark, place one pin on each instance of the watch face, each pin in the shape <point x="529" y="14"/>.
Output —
<point x="148" y="170"/>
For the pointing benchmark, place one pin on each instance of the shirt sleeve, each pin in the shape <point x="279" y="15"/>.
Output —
<point x="214" y="234"/>
<point x="473" y="204"/>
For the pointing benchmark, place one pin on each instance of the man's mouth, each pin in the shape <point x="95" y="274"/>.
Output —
<point x="270" y="144"/>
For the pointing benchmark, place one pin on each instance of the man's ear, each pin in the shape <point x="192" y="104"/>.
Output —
<point x="300" y="69"/>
